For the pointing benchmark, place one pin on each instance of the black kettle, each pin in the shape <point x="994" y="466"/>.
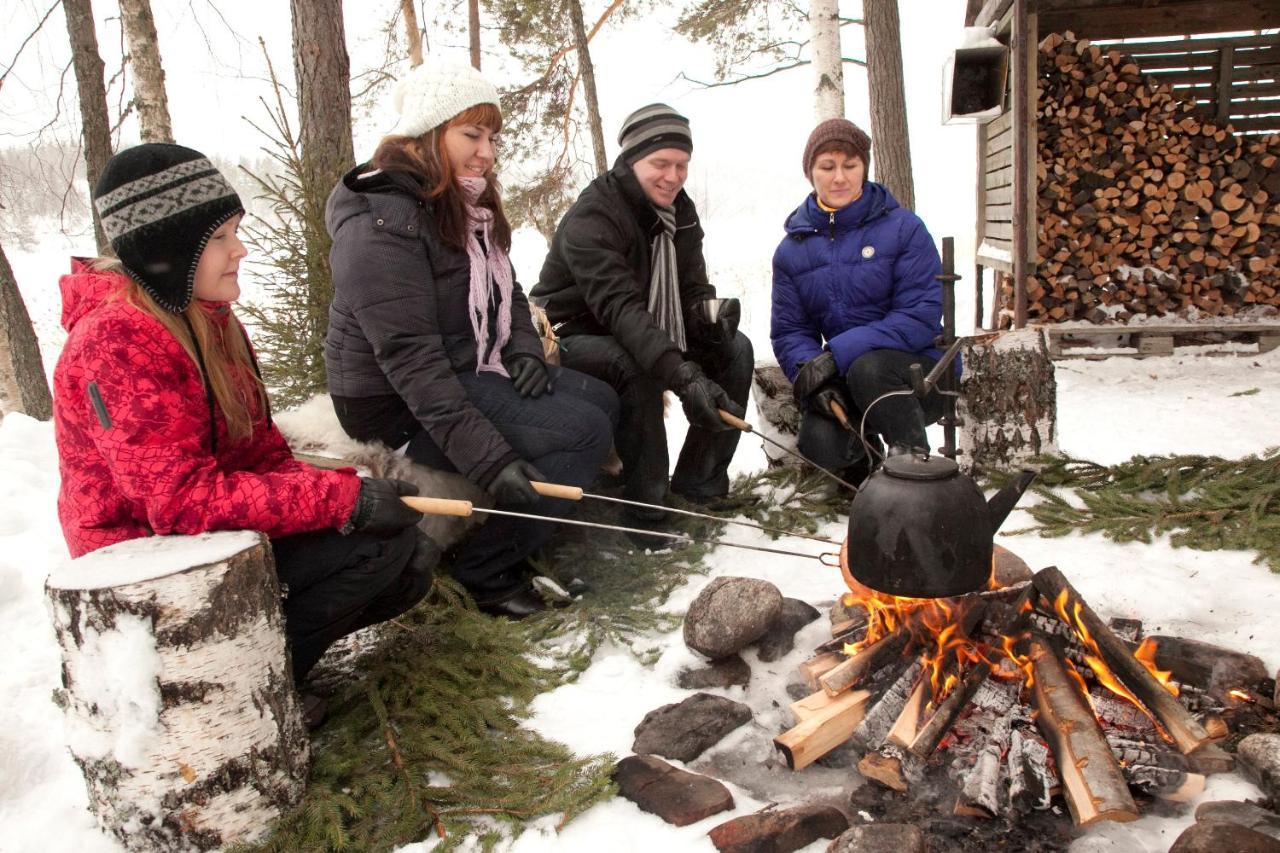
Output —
<point x="918" y="528"/>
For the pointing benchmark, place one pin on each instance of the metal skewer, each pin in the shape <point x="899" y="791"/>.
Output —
<point x="573" y="493"/>
<point x="739" y="423"/>
<point x="462" y="509"/>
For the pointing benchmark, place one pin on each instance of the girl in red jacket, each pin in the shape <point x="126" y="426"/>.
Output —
<point x="162" y="420"/>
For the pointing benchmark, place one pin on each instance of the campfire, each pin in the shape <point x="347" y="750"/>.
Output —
<point x="1017" y="693"/>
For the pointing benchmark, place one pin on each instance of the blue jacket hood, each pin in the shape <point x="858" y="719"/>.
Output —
<point x="808" y="218"/>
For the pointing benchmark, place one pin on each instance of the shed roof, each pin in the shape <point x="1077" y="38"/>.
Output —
<point x="1114" y="19"/>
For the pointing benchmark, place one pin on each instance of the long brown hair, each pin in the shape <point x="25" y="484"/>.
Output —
<point x="224" y="352"/>
<point x="425" y="158"/>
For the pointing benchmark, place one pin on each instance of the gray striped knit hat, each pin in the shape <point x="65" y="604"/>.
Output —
<point x="651" y="128"/>
<point x="159" y="205"/>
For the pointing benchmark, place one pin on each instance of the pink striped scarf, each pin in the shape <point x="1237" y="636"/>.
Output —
<point x="487" y="269"/>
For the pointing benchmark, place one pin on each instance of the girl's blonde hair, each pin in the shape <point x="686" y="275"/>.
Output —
<point x="221" y="355"/>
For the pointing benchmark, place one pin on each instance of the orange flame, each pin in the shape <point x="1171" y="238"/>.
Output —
<point x="1240" y="694"/>
<point x="1146" y="655"/>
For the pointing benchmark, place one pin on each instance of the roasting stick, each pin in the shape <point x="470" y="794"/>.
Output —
<point x="738" y="423"/>
<point x="463" y="509"/>
<point x="575" y="493"/>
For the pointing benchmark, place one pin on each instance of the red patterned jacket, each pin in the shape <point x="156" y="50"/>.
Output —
<point x="143" y="465"/>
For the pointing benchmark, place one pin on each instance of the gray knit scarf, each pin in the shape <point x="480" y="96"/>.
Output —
<point x="664" y="280"/>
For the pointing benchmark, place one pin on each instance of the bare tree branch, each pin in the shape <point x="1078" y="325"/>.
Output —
<point x="25" y="41"/>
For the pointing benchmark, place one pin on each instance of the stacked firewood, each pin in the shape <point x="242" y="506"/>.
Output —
<point x="1144" y="206"/>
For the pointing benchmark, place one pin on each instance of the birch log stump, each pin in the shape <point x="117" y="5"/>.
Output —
<point x="177" y="689"/>
<point x="1008" y="402"/>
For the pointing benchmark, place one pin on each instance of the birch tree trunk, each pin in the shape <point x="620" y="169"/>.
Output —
<point x="1008" y="402"/>
<point x="148" y="72"/>
<point x="889" y="135"/>
<point x="177" y="691"/>
<point x="95" y="127"/>
<point x="828" y="91"/>
<point x="412" y="32"/>
<point x="587" y="72"/>
<point x="23" y="387"/>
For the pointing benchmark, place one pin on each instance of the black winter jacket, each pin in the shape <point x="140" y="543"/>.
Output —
<point x="596" y="277"/>
<point x="399" y="324"/>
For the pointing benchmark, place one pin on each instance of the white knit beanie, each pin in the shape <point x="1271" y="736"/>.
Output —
<point x="435" y="92"/>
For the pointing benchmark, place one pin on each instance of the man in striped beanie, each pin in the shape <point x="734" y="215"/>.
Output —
<point x="625" y="285"/>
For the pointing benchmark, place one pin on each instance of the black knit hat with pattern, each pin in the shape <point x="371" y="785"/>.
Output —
<point x="837" y="130"/>
<point x="159" y="205"/>
<point x="652" y="128"/>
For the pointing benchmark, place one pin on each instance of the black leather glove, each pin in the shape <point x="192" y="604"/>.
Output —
<point x="529" y="374"/>
<point x="702" y="399"/>
<point x="379" y="510"/>
<point x="833" y="392"/>
<point x="813" y="374"/>
<point x="720" y="330"/>
<point x="512" y="485"/>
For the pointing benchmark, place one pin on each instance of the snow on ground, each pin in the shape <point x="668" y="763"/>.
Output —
<point x="1109" y="410"/>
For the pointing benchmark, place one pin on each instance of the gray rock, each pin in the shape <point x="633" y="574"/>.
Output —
<point x="685" y="730"/>
<point x="1214" y="837"/>
<point x="729" y="615"/>
<point x="780" y="639"/>
<point x="880" y="838"/>
<point x="841" y="613"/>
<point x="778" y="831"/>
<point x="677" y="796"/>
<point x="726" y="672"/>
<point x="1248" y="815"/>
<point x="1258" y="756"/>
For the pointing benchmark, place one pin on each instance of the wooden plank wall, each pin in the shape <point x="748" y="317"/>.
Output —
<point x="1234" y="78"/>
<point x="996" y="196"/>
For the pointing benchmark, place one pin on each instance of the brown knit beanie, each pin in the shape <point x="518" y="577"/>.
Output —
<point x="837" y="130"/>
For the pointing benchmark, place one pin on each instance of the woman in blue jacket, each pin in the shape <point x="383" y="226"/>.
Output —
<point x="856" y="302"/>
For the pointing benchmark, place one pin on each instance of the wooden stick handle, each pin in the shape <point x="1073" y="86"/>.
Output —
<point x="735" y="422"/>
<point x="841" y="416"/>
<point x="555" y="490"/>
<point x="439" y="506"/>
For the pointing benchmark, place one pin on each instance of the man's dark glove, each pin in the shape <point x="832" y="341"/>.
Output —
<point x="719" y="329"/>
<point x="512" y="485"/>
<point x="379" y="509"/>
<point x="702" y="399"/>
<point x="529" y="374"/>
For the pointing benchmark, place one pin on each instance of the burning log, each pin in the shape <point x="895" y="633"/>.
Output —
<point x="1188" y="734"/>
<point x="892" y="766"/>
<point x="981" y="787"/>
<point x="1155" y="769"/>
<point x="875" y="726"/>
<point x="823" y="723"/>
<point x="1093" y="785"/>
<point x="856" y="669"/>
<point x="1032" y="776"/>
<point x="999" y="621"/>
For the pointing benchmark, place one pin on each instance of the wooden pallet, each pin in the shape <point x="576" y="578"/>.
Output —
<point x="1151" y="339"/>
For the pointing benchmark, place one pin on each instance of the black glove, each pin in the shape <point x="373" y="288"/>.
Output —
<point x="512" y="485"/>
<point x="702" y="399"/>
<point x="721" y="330"/>
<point x="379" y="509"/>
<point x="529" y="374"/>
<point x="813" y="374"/>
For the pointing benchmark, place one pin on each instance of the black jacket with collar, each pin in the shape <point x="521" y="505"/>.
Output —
<point x="596" y="277"/>
<point x="399" y="323"/>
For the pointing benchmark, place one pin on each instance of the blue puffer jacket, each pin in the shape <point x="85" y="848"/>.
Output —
<point x="860" y="279"/>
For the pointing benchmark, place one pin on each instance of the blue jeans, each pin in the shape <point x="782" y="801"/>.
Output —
<point x="566" y="435"/>
<point x="898" y="420"/>
<point x="641" y="439"/>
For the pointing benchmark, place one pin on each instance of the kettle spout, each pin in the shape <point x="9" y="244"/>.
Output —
<point x="1002" y="502"/>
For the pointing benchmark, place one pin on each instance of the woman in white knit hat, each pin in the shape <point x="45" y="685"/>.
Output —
<point x="430" y="345"/>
